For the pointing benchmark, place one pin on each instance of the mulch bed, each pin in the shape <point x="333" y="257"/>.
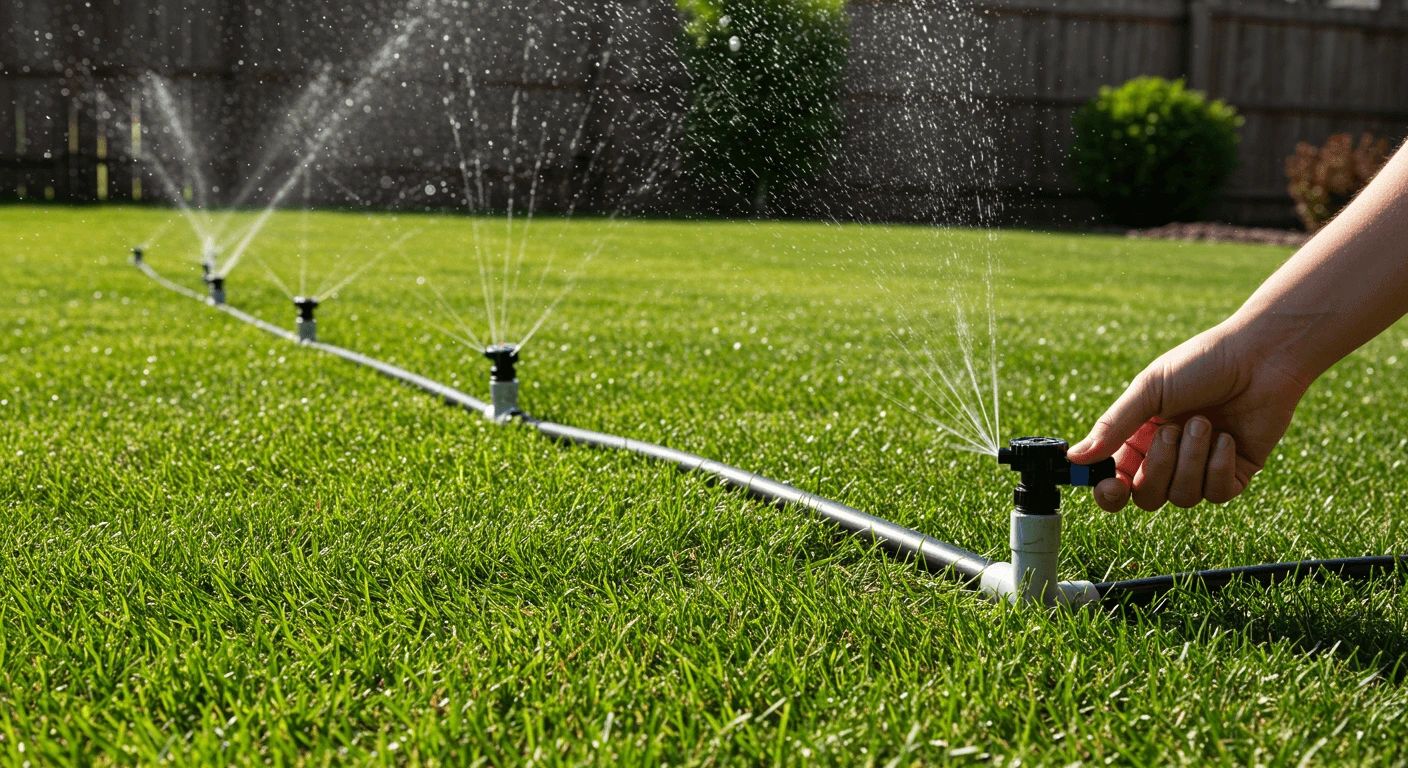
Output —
<point x="1223" y="233"/>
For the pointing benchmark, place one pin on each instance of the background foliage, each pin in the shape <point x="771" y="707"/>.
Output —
<point x="1151" y="151"/>
<point x="1322" y="180"/>
<point x="764" y="107"/>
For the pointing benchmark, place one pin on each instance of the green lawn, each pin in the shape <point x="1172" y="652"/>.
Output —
<point x="217" y="547"/>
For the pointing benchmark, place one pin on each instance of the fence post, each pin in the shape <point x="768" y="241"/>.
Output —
<point x="1197" y="45"/>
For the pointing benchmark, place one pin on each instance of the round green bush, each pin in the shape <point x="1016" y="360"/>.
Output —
<point x="1151" y="151"/>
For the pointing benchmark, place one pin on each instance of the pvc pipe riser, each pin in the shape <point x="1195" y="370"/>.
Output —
<point x="1035" y="541"/>
<point x="503" y="400"/>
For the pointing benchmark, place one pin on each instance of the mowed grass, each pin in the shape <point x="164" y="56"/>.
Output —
<point x="218" y="547"/>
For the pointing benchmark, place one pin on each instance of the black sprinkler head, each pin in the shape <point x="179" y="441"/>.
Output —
<point x="1043" y="464"/>
<point x="137" y="255"/>
<point x="205" y="270"/>
<point x="306" y="305"/>
<point x="504" y="357"/>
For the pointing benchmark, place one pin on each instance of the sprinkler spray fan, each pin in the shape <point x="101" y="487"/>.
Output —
<point x="306" y="326"/>
<point x="1035" y="537"/>
<point x="503" y="381"/>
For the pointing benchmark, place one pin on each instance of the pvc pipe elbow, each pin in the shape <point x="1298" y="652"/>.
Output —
<point x="997" y="582"/>
<point x="1030" y="579"/>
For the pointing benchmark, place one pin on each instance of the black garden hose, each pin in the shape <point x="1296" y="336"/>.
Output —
<point x="930" y="553"/>
<point x="1144" y="591"/>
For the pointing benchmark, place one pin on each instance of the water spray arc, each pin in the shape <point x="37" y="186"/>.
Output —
<point x="1029" y="579"/>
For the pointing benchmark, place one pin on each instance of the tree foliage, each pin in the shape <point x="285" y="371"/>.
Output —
<point x="764" y="107"/>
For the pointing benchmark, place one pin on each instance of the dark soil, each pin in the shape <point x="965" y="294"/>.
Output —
<point x="1223" y="233"/>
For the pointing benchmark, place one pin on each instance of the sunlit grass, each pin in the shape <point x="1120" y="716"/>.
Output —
<point x="220" y="547"/>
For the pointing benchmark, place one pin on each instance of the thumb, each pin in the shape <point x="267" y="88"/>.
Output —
<point x="1140" y="403"/>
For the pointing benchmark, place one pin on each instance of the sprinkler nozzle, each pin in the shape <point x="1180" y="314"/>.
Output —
<point x="503" y="381"/>
<point x="217" y="287"/>
<point x="137" y="255"/>
<point x="1035" y="537"/>
<point x="1043" y="464"/>
<point x="307" y="327"/>
<point x="504" y="357"/>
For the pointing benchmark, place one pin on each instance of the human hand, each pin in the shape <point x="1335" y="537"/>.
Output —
<point x="1197" y="423"/>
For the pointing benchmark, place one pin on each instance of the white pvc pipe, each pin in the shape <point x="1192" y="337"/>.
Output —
<point x="1030" y="578"/>
<point x="503" y="400"/>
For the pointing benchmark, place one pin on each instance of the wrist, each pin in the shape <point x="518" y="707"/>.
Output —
<point x="1288" y="341"/>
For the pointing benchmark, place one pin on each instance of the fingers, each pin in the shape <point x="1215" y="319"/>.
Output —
<point x="1222" y="484"/>
<point x="1164" y="463"/>
<point x="1151" y="483"/>
<point x="1140" y="403"/>
<point x="1186" y="489"/>
<point x="1112" y="494"/>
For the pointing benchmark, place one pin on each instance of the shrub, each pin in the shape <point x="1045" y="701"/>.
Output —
<point x="764" y="105"/>
<point x="1151" y="151"/>
<point x="1322" y="180"/>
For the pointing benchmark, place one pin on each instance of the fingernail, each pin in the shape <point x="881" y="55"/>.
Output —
<point x="1198" y="426"/>
<point x="1110" y="496"/>
<point x="1169" y="435"/>
<point x="1224" y="442"/>
<point x="1082" y="446"/>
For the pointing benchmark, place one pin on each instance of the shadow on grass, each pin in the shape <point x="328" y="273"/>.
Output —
<point x="1363" y="623"/>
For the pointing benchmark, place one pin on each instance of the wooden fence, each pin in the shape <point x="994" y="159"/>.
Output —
<point x="957" y="109"/>
<point x="1294" y="71"/>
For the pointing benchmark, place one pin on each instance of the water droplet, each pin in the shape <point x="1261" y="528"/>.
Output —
<point x="734" y="44"/>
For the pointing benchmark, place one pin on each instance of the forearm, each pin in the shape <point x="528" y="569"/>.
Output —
<point x="1347" y="285"/>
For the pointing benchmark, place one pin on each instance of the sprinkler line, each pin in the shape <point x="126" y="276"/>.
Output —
<point x="931" y="554"/>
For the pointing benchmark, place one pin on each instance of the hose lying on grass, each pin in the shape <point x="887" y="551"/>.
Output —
<point x="903" y="543"/>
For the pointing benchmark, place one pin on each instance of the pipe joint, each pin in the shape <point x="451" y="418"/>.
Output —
<point x="997" y="582"/>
